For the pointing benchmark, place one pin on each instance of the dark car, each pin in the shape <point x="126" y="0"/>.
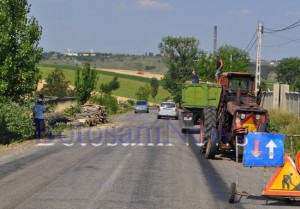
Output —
<point x="141" y="106"/>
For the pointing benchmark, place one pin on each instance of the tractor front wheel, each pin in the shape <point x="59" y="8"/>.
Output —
<point x="211" y="146"/>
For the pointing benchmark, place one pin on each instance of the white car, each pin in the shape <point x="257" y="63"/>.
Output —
<point x="167" y="109"/>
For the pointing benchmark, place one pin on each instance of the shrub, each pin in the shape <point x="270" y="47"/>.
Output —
<point x="59" y="127"/>
<point x="16" y="122"/>
<point x="131" y="102"/>
<point x="72" y="111"/>
<point x="56" y="84"/>
<point x="109" y="101"/>
<point x="283" y="122"/>
<point x="288" y="124"/>
<point x="126" y="106"/>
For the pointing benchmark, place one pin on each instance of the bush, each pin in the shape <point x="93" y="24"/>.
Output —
<point x="16" y="122"/>
<point x="109" y="101"/>
<point x="59" y="127"/>
<point x="131" y="102"/>
<point x="126" y="106"/>
<point x="72" y="111"/>
<point x="288" y="124"/>
<point x="283" y="122"/>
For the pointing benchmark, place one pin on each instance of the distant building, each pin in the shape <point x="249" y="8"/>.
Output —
<point x="70" y="53"/>
<point x="80" y="54"/>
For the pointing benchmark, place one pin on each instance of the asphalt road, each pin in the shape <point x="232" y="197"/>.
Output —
<point x="141" y="162"/>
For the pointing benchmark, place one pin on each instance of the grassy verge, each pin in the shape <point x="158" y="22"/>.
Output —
<point x="288" y="124"/>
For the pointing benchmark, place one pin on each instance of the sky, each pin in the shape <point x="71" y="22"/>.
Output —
<point x="137" y="26"/>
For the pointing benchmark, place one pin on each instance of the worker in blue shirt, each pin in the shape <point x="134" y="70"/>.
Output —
<point x="195" y="77"/>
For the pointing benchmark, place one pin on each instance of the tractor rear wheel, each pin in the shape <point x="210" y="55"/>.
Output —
<point x="211" y="132"/>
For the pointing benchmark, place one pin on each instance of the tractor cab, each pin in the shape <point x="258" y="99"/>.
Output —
<point x="237" y="82"/>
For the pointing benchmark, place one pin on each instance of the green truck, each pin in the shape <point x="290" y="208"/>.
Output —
<point x="224" y="112"/>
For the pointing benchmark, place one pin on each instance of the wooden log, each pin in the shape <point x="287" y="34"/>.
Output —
<point x="84" y="115"/>
<point x="75" y="123"/>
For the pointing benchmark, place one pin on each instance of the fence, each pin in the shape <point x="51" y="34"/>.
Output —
<point x="280" y="98"/>
<point x="293" y="103"/>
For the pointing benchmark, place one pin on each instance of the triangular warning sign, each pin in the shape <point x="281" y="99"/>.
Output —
<point x="285" y="181"/>
<point x="298" y="161"/>
<point x="249" y="123"/>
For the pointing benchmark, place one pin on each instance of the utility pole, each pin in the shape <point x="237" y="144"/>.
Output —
<point x="215" y="41"/>
<point x="258" y="56"/>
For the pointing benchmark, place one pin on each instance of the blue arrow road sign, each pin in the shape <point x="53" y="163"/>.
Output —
<point x="264" y="149"/>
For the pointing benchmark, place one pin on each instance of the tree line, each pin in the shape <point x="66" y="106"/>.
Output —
<point x="20" y="52"/>
<point x="182" y="55"/>
<point x="19" y="74"/>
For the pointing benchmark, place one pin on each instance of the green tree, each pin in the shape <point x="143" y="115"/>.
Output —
<point x="180" y="55"/>
<point x="234" y="60"/>
<point x="154" y="84"/>
<point x="19" y="40"/>
<point x="111" y="86"/>
<point x="288" y="71"/>
<point x="85" y="82"/>
<point x="263" y="85"/>
<point x="206" y="66"/>
<point x="56" y="84"/>
<point x="143" y="92"/>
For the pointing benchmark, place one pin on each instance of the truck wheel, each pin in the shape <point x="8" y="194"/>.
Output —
<point x="231" y="193"/>
<point x="211" y="146"/>
<point x="211" y="133"/>
<point x="210" y="117"/>
<point x="202" y="150"/>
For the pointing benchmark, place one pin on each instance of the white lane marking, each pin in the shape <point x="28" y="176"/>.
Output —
<point x="44" y="144"/>
<point x="109" y="182"/>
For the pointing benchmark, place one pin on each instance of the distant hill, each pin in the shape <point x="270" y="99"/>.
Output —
<point x="267" y="71"/>
<point x="126" y="62"/>
<point x="152" y="64"/>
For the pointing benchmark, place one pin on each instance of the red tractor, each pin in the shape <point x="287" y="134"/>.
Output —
<point x="226" y="112"/>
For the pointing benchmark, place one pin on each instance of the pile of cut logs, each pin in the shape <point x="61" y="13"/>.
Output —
<point x="90" y="115"/>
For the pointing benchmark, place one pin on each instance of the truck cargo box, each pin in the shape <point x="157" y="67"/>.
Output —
<point x="200" y="95"/>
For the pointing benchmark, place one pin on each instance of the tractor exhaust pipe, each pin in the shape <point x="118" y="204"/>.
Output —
<point x="238" y="94"/>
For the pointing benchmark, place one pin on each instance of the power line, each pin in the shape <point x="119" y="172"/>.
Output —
<point x="251" y="41"/>
<point x="294" y="25"/>
<point x="275" y="31"/>
<point x="253" y="51"/>
<point x="286" y="43"/>
<point x="252" y="45"/>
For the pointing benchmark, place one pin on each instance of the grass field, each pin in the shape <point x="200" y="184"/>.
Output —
<point x="129" y="84"/>
<point x="126" y="62"/>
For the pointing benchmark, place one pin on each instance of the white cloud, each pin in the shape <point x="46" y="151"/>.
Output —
<point x="154" y="4"/>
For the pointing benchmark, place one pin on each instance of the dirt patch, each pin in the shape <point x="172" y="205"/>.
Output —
<point x="126" y="72"/>
<point x="41" y="84"/>
<point x="6" y="149"/>
<point x="135" y="73"/>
